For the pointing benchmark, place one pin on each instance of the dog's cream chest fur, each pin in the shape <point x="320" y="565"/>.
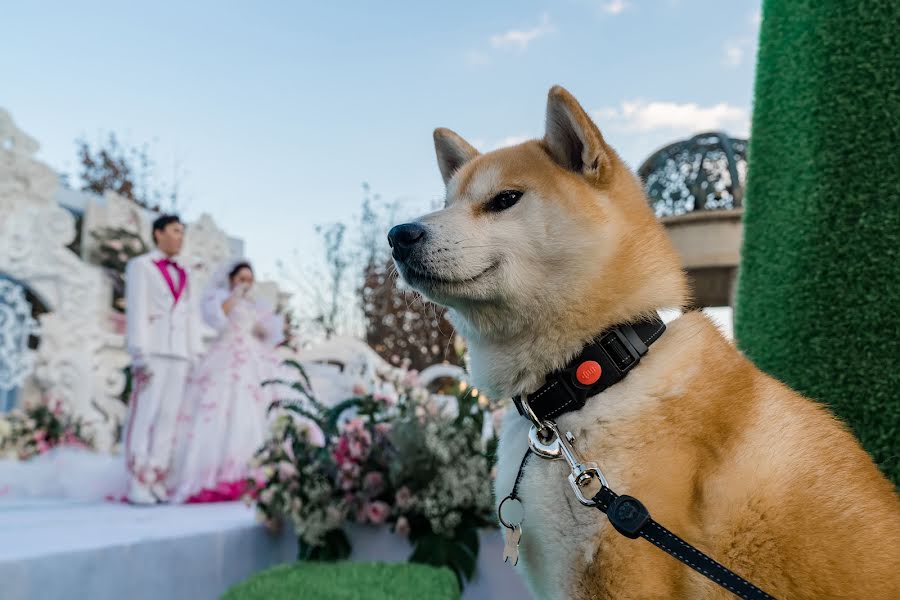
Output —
<point x="560" y="535"/>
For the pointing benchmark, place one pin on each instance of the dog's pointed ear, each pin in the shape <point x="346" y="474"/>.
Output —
<point x="452" y="152"/>
<point x="572" y="139"/>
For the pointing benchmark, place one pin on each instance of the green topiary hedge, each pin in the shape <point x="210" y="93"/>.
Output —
<point x="348" y="581"/>
<point x="819" y="290"/>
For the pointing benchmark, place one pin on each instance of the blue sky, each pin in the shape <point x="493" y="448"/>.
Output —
<point x="278" y="111"/>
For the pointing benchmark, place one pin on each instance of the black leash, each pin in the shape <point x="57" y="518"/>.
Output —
<point x="632" y="519"/>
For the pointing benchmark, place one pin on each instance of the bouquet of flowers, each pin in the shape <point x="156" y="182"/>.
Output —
<point x="26" y="432"/>
<point x="393" y="455"/>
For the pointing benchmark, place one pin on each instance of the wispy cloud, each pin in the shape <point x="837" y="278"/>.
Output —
<point x="614" y="7"/>
<point x="519" y="39"/>
<point x="643" y="116"/>
<point x="636" y="128"/>
<point x="735" y="50"/>
<point x="734" y="53"/>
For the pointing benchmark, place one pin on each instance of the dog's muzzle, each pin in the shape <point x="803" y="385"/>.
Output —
<point x="404" y="238"/>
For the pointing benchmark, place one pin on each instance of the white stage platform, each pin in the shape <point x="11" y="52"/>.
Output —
<point x="66" y="550"/>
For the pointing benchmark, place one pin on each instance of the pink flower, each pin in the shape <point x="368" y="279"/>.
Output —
<point x="411" y="379"/>
<point x="359" y="389"/>
<point x="358" y="450"/>
<point x="373" y="482"/>
<point x="40" y="435"/>
<point x="354" y="425"/>
<point x="377" y="512"/>
<point x="348" y="476"/>
<point x="314" y="434"/>
<point x="342" y="451"/>
<point x="402" y="527"/>
<point x="114" y="244"/>
<point x="403" y="498"/>
<point x="286" y="470"/>
<point x="42" y="446"/>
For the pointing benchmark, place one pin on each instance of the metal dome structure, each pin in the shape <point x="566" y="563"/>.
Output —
<point x="696" y="188"/>
<point x="705" y="172"/>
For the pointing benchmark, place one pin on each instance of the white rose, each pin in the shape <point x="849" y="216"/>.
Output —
<point x="5" y="428"/>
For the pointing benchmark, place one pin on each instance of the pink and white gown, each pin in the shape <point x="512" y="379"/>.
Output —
<point x="224" y="419"/>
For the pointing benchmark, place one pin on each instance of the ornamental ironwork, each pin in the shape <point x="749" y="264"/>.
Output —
<point x="16" y="326"/>
<point x="705" y="172"/>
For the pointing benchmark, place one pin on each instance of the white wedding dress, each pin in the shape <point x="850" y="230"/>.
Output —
<point x="224" y="417"/>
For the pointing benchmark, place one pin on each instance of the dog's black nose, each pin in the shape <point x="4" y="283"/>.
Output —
<point x="403" y="239"/>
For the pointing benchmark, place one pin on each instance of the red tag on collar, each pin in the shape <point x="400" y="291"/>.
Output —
<point x="588" y="372"/>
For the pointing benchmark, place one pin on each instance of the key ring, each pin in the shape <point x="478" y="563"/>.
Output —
<point x="503" y="521"/>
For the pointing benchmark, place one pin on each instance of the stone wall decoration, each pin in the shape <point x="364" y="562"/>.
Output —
<point x="72" y="362"/>
<point x="206" y="247"/>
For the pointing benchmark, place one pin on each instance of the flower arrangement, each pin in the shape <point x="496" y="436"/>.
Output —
<point x="394" y="455"/>
<point x="26" y="432"/>
<point x="115" y="247"/>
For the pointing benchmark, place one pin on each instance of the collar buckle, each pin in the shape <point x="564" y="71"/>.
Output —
<point x="620" y="349"/>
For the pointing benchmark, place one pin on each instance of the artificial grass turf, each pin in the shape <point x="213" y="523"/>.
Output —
<point x="818" y="300"/>
<point x="348" y="581"/>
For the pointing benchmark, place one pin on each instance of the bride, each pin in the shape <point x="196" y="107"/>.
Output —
<point x="223" y="421"/>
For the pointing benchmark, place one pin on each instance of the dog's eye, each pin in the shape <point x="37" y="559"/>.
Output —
<point x="503" y="200"/>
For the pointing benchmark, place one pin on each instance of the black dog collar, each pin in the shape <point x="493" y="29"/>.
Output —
<point x="605" y="361"/>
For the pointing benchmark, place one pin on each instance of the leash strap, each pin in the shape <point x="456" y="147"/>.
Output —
<point x="632" y="519"/>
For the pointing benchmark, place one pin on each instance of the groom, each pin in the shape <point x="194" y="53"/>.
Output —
<point x="163" y="337"/>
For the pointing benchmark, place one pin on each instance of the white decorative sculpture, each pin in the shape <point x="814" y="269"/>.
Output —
<point x="71" y="365"/>
<point x="81" y="358"/>
<point x="116" y="212"/>
<point x="205" y="248"/>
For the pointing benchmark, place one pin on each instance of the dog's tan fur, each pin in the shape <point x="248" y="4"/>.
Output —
<point x="759" y="477"/>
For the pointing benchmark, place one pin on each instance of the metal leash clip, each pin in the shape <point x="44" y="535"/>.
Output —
<point x="547" y="442"/>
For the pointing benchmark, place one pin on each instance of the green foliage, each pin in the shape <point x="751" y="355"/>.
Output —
<point x="819" y="287"/>
<point x="335" y="546"/>
<point x="348" y="581"/>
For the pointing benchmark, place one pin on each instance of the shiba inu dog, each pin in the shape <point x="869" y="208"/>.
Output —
<point x="544" y="245"/>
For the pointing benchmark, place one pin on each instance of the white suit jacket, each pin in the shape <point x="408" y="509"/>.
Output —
<point x="156" y="324"/>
